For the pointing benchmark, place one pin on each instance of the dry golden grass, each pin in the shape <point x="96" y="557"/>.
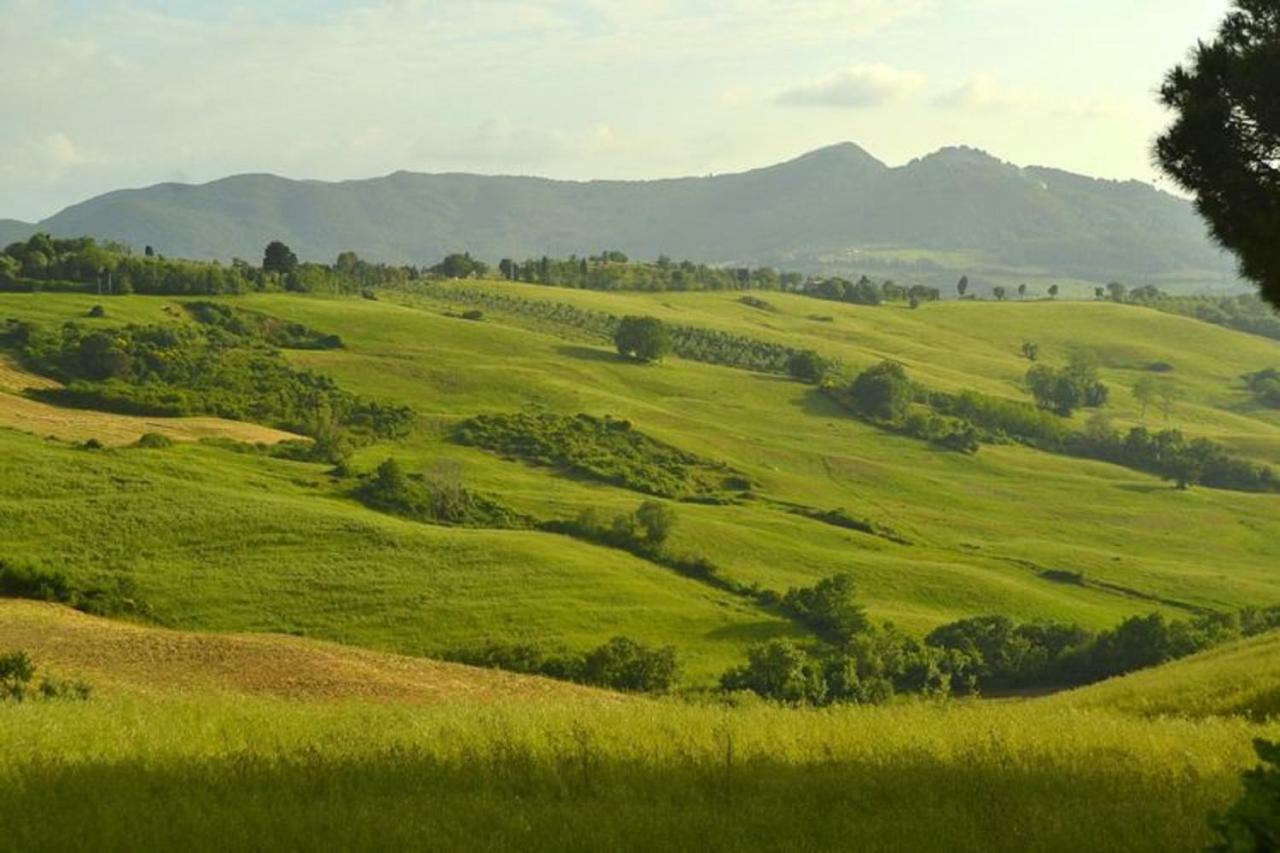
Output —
<point x="134" y="657"/>
<point x="43" y="419"/>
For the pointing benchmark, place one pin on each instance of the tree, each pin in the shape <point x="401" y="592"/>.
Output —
<point x="999" y="293"/>
<point x="1053" y="291"/>
<point x="1224" y="144"/>
<point x="657" y="520"/>
<point x="779" y="670"/>
<point x="830" y="608"/>
<point x="1022" y="291"/>
<point x="1117" y="291"/>
<point x="9" y="269"/>
<point x="1099" y="293"/>
<point x="149" y="252"/>
<point x="624" y="664"/>
<point x="279" y="258"/>
<point x="1030" y="350"/>
<point x="101" y="358"/>
<point x="642" y="338"/>
<point x="883" y="392"/>
<point x="16" y="672"/>
<point x="962" y="286"/>
<point x="1145" y="392"/>
<point x="807" y="366"/>
<point x="1253" y="823"/>
<point x="460" y="266"/>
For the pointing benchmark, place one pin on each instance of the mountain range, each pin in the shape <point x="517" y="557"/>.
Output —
<point x="837" y="208"/>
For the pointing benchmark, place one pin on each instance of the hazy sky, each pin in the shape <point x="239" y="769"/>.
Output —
<point x="100" y="94"/>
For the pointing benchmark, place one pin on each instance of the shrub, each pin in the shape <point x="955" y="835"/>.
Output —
<point x="17" y="672"/>
<point x="606" y="449"/>
<point x="830" y="608"/>
<point x="154" y="441"/>
<point x="97" y="311"/>
<point x="807" y="366"/>
<point x="882" y="392"/>
<point x="1253" y="823"/>
<point x="642" y="338"/>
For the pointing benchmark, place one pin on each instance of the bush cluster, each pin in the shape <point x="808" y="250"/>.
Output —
<point x="17" y="673"/>
<point x="437" y="496"/>
<point x="606" y="449"/>
<point x="183" y="370"/>
<point x="620" y="664"/>
<point x="115" y="597"/>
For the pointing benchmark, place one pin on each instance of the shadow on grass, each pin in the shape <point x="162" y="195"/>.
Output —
<point x="570" y="794"/>
<point x="593" y="354"/>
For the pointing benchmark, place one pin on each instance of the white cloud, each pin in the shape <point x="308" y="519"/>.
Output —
<point x="985" y="92"/>
<point x="854" y="87"/>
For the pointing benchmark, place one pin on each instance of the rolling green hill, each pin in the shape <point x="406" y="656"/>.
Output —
<point x="839" y="209"/>
<point x="223" y="540"/>
<point x="208" y="728"/>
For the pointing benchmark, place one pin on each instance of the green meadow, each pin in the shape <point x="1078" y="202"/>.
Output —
<point x="222" y="540"/>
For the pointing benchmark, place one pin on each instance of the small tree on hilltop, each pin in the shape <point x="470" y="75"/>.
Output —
<point x="1053" y="291"/>
<point x="962" y="286"/>
<point x="642" y="338"/>
<point x="999" y="293"/>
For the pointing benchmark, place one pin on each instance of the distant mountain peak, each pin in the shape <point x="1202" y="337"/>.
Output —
<point x="840" y="154"/>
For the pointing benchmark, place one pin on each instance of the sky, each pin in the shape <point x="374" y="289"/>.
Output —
<point x="97" y="95"/>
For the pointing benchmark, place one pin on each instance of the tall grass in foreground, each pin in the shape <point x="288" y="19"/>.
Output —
<point x="210" y="772"/>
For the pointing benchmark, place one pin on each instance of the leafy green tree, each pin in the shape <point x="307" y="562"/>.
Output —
<point x="1099" y="293"/>
<point x="101" y="358"/>
<point x="657" y="520"/>
<point x="460" y="266"/>
<point x="624" y="664"/>
<point x="10" y="268"/>
<point x="1224" y="144"/>
<point x="1053" y="291"/>
<point x="830" y="608"/>
<point x="807" y="366"/>
<point x="962" y="286"/>
<point x="1117" y="291"/>
<point x="642" y="338"/>
<point x="883" y="392"/>
<point x="999" y="293"/>
<point x="779" y="670"/>
<point x="1145" y="392"/>
<point x="279" y="258"/>
<point x="1022" y="291"/>
<point x="16" y="672"/>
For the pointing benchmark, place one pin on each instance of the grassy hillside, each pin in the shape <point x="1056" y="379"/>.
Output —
<point x="216" y="539"/>
<point x="1239" y="679"/>
<point x="187" y="743"/>
<point x="120" y="658"/>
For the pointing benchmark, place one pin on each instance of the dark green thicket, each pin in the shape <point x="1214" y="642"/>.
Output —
<point x="1253" y="823"/>
<point x="115" y="597"/>
<point x="437" y="496"/>
<point x="254" y="327"/>
<point x="884" y="395"/>
<point x="856" y="661"/>
<point x="17" y="672"/>
<point x="606" y="449"/>
<point x="182" y="370"/>
<point x="620" y="664"/>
